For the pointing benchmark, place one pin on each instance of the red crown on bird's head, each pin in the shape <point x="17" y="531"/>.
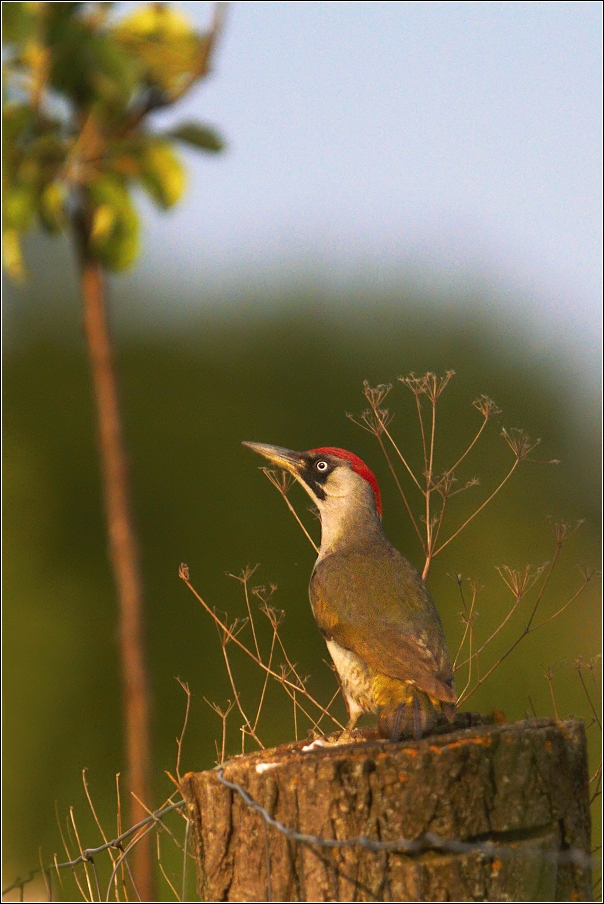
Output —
<point x="358" y="466"/>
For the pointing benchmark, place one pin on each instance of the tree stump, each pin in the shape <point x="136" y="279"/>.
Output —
<point x="521" y="786"/>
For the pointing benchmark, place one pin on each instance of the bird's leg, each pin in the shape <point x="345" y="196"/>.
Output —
<point x="352" y="720"/>
<point x="354" y="714"/>
<point x="417" y="722"/>
<point x="397" y="725"/>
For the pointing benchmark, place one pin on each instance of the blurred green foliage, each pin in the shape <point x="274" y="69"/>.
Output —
<point x="78" y="90"/>
<point x="282" y="373"/>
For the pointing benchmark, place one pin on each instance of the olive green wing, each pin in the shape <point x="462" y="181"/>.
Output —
<point x="393" y="654"/>
<point x="404" y="643"/>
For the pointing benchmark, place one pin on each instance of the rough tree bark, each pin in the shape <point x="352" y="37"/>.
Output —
<point x="522" y="786"/>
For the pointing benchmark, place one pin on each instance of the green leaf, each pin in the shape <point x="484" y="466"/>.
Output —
<point x="19" y="207"/>
<point x="88" y="64"/>
<point x="11" y="254"/>
<point x="103" y="221"/>
<point x="162" y="173"/>
<point x="51" y="208"/>
<point x="115" y="234"/>
<point x="199" y="136"/>
<point x="171" y="53"/>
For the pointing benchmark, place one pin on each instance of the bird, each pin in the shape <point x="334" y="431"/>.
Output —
<point x="379" y="621"/>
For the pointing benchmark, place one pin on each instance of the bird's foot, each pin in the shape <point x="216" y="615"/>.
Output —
<point x="339" y="738"/>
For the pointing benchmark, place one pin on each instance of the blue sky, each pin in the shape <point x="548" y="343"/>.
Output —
<point x="452" y="142"/>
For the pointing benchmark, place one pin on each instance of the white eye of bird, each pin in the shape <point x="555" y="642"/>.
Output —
<point x="321" y="466"/>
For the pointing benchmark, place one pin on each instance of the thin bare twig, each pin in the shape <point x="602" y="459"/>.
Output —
<point x="100" y="827"/>
<point x="246" y="720"/>
<point x="519" y="583"/>
<point x="587" y="577"/>
<point x="185" y="859"/>
<point x="223" y="716"/>
<point x="247" y="574"/>
<point x="467" y="617"/>
<point x="549" y="674"/>
<point x="163" y="872"/>
<point x="266" y="677"/>
<point x="454" y="467"/>
<point x="587" y="694"/>
<point x="479" y="509"/>
<point x="184" y="575"/>
<point x="404" y="461"/>
<point x="525" y="632"/>
<point x="180" y="739"/>
<point x="283" y="488"/>
<point x="402" y="492"/>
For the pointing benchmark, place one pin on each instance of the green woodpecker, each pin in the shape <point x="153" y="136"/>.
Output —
<point x="380" y="623"/>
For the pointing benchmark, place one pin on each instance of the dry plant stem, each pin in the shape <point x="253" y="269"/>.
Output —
<point x="100" y="828"/>
<point x="46" y="875"/>
<point x="479" y="509"/>
<point x="421" y="426"/>
<point x="428" y="469"/>
<point x="470" y="447"/>
<point x="297" y="517"/>
<point x="292" y="668"/>
<point x="248" y="724"/>
<point x="402" y="458"/>
<point x="184" y="862"/>
<point x="592" y="707"/>
<point x="549" y="678"/>
<point x="432" y="436"/>
<point x="164" y="828"/>
<point x="559" y="545"/>
<point x="146" y="824"/>
<point x="224" y="727"/>
<point x="302" y="686"/>
<point x="224" y="716"/>
<point x="470" y="658"/>
<point x="126" y="864"/>
<point x="298" y="705"/>
<point x="162" y="870"/>
<point x="281" y="679"/>
<point x="119" y="829"/>
<point x="68" y="853"/>
<point x="57" y="867"/>
<point x="518" y="598"/>
<point x="467" y="628"/>
<point x="322" y="716"/>
<point x="466" y="622"/>
<point x="249" y="609"/>
<point x="439" y="523"/>
<point x="96" y="879"/>
<point x="526" y="631"/>
<point x="180" y="739"/>
<point x="597" y="777"/>
<point x="266" y="677"/>
<point x="123" y="548"/>
<point x="586" y="579"/>
<point x="401" y="491"/>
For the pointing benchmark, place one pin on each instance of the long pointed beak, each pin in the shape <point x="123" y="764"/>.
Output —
<point x="284" y="458"/>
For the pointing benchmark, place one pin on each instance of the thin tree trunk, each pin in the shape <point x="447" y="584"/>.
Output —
<point x="123" y="552"/>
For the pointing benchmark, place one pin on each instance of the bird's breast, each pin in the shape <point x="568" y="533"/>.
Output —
<point x="355" y="676"/>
